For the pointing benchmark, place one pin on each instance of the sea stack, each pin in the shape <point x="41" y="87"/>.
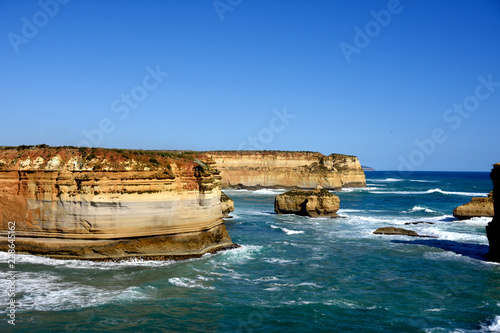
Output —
<point x="493" y="228"/>
<point x="316" y="203"/>
<point x="287" y="169"/>
<point x="102" y="204"/>
<point x="477" y="207"/>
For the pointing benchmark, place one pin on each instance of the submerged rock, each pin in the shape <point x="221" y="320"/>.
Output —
<point x="314" y="203"/>
<point x="477" y="207"/>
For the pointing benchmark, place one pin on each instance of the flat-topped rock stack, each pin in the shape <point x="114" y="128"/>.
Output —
<point x="315" y="203"/>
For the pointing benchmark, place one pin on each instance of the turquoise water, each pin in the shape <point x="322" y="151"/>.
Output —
<point x="291" y="273"/>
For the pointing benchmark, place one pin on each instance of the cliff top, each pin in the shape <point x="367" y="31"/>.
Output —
<point x="302" y="193"/>
<point x="43" y="157"/>
<point x="286" y="153"/>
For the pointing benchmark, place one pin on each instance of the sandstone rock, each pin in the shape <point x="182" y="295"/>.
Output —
<point x="493" y="228"/>
<point x="395" y="231"/>
<point x="281" y="169"/>
<point x="307" y="203"/>
<point x="477" y="207"/>
<point x="227" y="204"/>
<point x="104" y="204"/>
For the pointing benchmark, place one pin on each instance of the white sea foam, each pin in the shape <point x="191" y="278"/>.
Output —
<point x="292" y="232"/>
<point x="287" y="231"/>
<point x="44" y="291"/>
<point x="431" y="191"/>
<point x="189" y="283"/>
<point x="492" y="325"/>
<point x="420" y="209"/>
<point x="478" y="221"/>
<point x="454" y="235"/>
<point x="388" y="180"/>
<point x="422" y="181"/>
<point x="269" y="191"/>
<point x="340" y="211"/>
<point x="240" y="254"/>
<point x="360" y="189"/>
<point x="310" y="284"/>
<point x="278" y="261"/>
<point x="84" y="264"/>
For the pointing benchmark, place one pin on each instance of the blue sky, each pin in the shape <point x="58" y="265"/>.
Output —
<point x="403" y="85"/>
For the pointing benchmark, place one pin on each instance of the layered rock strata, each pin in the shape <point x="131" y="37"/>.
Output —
<point x="493" y="228"/>
<point x="282" y="169"/>
<point x="477" y="207"/>
<point x="315" y="203"/>
<point x="106" y="204"/>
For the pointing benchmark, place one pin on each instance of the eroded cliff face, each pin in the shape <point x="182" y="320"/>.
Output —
<point x="306" y="170"/>
<point x="100" y="204"/>
<point x="493" y="228"/>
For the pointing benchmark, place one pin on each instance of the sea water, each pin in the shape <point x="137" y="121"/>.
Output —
<point x="291" y="273"/>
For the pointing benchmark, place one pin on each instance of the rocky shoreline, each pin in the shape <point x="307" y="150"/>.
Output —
<point x="111" y="204"/>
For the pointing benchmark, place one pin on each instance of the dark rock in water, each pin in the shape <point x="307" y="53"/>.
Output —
<point x="398" y="231"/>
<point x="395" y="231"/>
<point x="493" y="228"/>
<point x="420" y="222"/>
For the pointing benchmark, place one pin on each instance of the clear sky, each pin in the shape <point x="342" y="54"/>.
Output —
<point x="400" y="84"/>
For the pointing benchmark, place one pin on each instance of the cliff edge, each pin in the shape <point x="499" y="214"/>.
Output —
<point x="88" y="203"/>
<point x="493" y="228"/>
<point x="287" y="169"/>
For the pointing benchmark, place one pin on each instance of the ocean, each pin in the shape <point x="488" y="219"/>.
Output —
<point x="291" y="273"/>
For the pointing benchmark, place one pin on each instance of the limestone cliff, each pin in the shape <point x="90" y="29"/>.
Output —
<point x="493" y="228"/>
<point x="477" y="207"/>
<point x="315" y="203"/>
<point x="282" y="169"/>
<point x="100" y="203"/>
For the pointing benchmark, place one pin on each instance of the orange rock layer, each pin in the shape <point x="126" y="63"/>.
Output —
<point x="105" y="204"/>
